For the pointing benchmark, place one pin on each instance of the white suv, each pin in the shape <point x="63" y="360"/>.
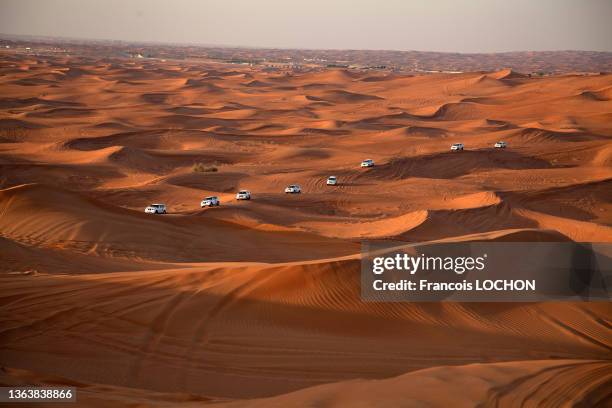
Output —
<point x="456" y="147"/>
<point x="367" y="163"/>
<point x="500" y="145"/>
<point x="332" y="181"/>
<point x="243" y="195"/>
<point x="210" y="201"/>
<point x="156" y="209"/>
<point x="293" y="189"/>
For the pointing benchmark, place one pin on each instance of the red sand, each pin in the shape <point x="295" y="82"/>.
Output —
<point x="260" y="299"/>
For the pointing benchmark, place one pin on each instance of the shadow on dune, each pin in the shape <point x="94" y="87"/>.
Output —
<point x="454" y="164"/>
<point x="146" y="139"/>
<point x="62" y="112"/>
<point x="161" y="162"/>
<point x="567" y="201"/>
<point x="223" y="182"/>
<point x="18" y="124"/>
<point x="14" y="103"/>
<point x="173" y="331"/>
<point x="155" y="98"/>
<point x="455" y="223"/>
<point x="537" y="135"/>
<point x="77" y="176"/>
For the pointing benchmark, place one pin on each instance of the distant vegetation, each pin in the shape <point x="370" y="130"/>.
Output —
<point x="528" y="62"/>
<point x="203" y="168"/>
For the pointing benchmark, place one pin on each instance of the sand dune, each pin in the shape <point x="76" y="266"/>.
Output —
<point x="203" y="85"/>
<point x="506" y="74"/>
<point x="18" y="124"/>
<point x="257" y="303"/>
<point x="450" y="165"/>
<point x="195" y="319"/>
<point x="501" y="384"/>
<point x="329" y="76"/>
<point x="340" y="96"/>
<point x="536" y="135"/>
<point x="51" y="218"/>
<point x="458" y="111"/>
<point x="602" y="95"/>
<point x="423" y="131"/>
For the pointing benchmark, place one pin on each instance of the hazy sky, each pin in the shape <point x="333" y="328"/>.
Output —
<point x="434" y="25"/>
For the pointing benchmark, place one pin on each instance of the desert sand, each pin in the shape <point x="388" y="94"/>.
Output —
<point x="256" y="303"/>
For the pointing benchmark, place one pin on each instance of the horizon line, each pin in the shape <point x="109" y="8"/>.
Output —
<point x="34" y="37"/>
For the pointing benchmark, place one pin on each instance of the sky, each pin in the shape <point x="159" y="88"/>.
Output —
<point x="428" y="25"/>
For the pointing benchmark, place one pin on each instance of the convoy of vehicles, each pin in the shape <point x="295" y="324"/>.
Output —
<point x="213" y="201"/>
